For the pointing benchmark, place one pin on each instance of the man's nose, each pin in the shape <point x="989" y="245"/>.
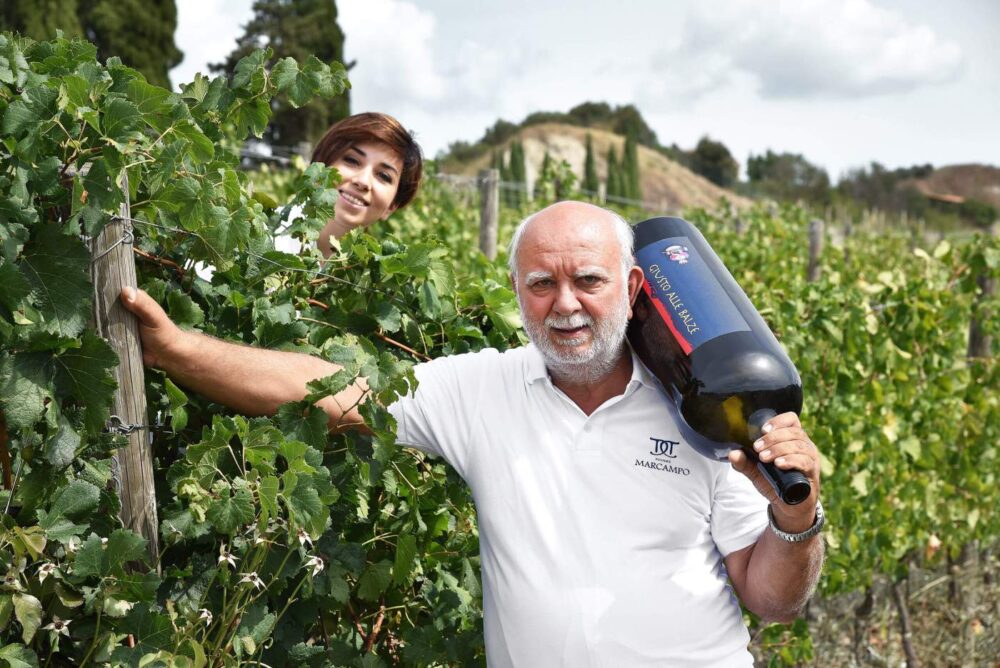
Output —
<point x="566" y="302"/>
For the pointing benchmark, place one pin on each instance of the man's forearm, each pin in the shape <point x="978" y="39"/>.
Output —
<point x="255" y="381"/>
<point x="781" y="576"/>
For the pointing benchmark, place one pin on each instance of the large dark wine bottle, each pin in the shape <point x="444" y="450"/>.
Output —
<point x="696" y="330"/>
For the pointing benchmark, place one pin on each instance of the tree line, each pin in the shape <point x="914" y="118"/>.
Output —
<point x="142" y="34"/>
<point x="782" y="176"/>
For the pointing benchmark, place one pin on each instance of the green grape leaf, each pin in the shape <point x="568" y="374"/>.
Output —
<point x="293" y="83"/>
<point x="406" y="552"/>
<point x="152" y="632"/>
<point x="24" y="388"/>
<point x="257" y="622"/>
<point x="28" y="611"/>
<point x="183" y="310"/>
<point x="58" y="268"/>
<point x="251" y="116"/>
<point x="18" y="118"/>
<point x="84" y="373"/>
<point x="304" y="422"/>
<point x="61" y="530"/>
<point x="374" y="580"/>
<point x="201" y="147"/>
<point x="388" y="316"/>
<point x="327" y="80"/>
<point x="223" y="234"/>
<point x="101" y="192"/>
<point x="14" y="68"/>
<point x="249" y="71"/>
<point x="229" y="513"/>
<point x="148" y="99"/>
<point x="267" y="494"/>
<point x="95" y="559"/>
<point x="18" y="656"/>
<point x="422" y="645"/>
<point x="120" y="118"/>
<point x="60" y="450"/>
<point x="304" y="506"/>
<point x="72" y="502"/>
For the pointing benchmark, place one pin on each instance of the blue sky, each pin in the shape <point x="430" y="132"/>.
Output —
<point x="843" y="82"/>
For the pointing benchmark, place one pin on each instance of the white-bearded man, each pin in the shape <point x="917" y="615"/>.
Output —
<point x="588" y="558"/>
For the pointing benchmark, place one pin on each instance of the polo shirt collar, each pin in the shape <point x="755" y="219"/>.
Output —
<point x="536" y="369"/>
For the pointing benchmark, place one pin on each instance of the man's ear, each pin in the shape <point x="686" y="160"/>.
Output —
<point x="635" y="279"/>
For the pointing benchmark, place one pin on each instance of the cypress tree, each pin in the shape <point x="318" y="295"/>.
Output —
<point x="39" y="19"/>
<point x="590" y="181"/>
<point x="295" y="28"/>
<point x="502" y="167"/>
<point x="545" y="181"/>
<point x="613" y="182"/>
<point x="140" y="32"/>
<point x="630" y="167"/>
<point x="497" y="162"/>
<point x="518" y="172"/>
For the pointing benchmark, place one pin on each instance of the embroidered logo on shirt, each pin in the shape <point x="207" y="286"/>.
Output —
<point x="663" y="452"/>
<point x="663" y="447"/>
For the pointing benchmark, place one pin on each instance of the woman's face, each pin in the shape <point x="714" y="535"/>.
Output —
<point x="370" y="174"/>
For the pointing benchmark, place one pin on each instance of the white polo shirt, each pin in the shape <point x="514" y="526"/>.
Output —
<point x="601" y="536"/>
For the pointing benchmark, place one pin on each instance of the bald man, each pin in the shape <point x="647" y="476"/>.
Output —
<point x="588" y="558"/>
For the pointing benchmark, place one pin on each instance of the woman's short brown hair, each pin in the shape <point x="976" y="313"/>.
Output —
<point x="382" y="128"/>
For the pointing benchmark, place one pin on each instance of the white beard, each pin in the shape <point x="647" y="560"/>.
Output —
<point x="568" y="364"/>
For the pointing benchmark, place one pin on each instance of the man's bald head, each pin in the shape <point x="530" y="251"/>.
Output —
<point x="581" y="214"/>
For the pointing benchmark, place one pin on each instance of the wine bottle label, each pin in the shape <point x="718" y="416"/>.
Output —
<point x="686" y="293"/>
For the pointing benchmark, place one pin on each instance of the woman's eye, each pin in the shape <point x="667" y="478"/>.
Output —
<point x="385" y="176"/>
<point x="351" y="161"/>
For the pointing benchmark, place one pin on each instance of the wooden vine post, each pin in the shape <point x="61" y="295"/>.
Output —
<point x="980" y="343"/>
<point x="112" y="268"/>
<point x="489" y="211"/>
<point x="815" y="249"/>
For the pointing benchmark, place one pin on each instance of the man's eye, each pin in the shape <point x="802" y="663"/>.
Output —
<point x="590" y="280"/>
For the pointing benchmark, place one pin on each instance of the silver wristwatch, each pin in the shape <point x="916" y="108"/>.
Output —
<point x="798" y="537"/>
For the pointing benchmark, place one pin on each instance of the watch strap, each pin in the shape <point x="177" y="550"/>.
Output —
<point x="798" y="537"/>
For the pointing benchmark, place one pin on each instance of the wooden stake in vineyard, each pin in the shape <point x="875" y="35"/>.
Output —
<point x="815" y="249"/>
<point x="112" y="268"/>
<point x="489" y="211"/>
<point x="980" y="343"/>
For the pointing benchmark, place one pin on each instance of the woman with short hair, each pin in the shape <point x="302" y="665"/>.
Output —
<point x="380" y="165"/>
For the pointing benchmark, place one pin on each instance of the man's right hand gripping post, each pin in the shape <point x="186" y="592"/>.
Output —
<point x="252" y="381"/>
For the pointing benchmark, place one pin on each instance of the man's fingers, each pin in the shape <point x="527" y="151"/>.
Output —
<point x="143" y="306"/>
<point x="781" y="421"/>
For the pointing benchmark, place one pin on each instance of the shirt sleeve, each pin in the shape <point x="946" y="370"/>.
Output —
<point x="739" y="512"/>
<point x="436" y="417"/>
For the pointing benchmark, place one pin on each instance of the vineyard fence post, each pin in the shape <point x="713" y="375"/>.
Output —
<point x="815" y="249"/>
<point x="980" y="343"/>
<point x="112" y="268"/>
<point x="489" y="211"/>
<point x="848" y="230"/>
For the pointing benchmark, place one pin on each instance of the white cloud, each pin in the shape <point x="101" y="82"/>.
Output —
<point x="402" y="60"/>
<point x="804" y="49"/>
<point x="206" y="33"/>
<point x="393" y="44"/>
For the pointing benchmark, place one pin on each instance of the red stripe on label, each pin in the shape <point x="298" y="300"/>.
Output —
<point x="681" y="341"/>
